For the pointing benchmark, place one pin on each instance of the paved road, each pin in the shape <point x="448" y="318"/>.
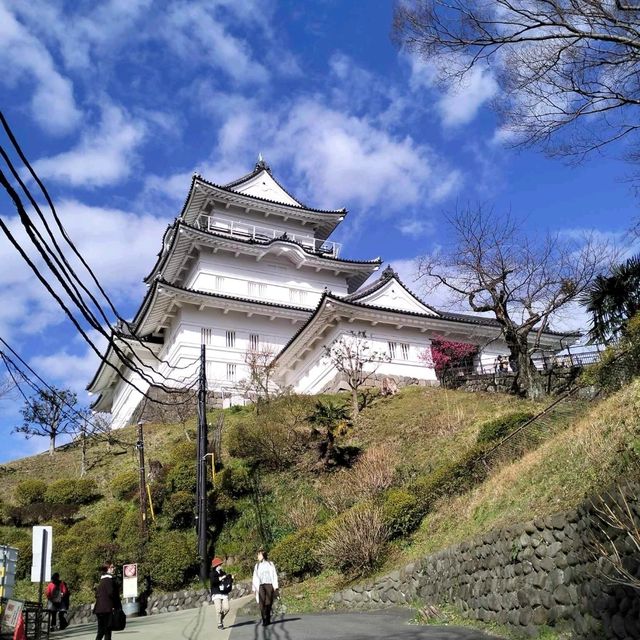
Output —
<point x="200" y="624"/>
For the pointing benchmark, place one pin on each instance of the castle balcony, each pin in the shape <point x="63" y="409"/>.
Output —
<point x="245" y="231"/>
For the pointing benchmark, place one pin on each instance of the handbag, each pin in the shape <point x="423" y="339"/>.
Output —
<point x="118" y="620"/>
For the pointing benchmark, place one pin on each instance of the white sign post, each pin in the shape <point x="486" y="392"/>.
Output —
<point x="130" y="581"/>
<point x="42" y="548"/>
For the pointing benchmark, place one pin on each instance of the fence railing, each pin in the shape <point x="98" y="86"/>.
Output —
<point x="542" y="362"/>
<point x="239" y="229"/>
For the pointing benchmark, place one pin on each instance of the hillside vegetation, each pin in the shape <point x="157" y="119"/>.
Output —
<point x="333" y="500"/>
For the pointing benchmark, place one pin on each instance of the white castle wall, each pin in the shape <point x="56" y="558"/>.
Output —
<point x="270" y="280"/>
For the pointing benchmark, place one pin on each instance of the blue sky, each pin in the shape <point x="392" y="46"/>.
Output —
<point x="117" y="103"/>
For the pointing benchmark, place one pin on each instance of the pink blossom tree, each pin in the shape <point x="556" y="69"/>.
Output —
<point x="445" y="355"/>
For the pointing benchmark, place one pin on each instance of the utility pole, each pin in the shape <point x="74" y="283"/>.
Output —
<point x="142" y="482"/>
<point x="201" y="487"/>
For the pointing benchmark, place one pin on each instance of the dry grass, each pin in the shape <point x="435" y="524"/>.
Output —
<point x="577" y="462"/>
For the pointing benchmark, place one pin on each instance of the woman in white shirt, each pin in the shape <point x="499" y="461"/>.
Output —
<point x="265" y="585"/>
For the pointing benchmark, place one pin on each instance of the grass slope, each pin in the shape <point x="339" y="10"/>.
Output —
<point x="577" y="449"/>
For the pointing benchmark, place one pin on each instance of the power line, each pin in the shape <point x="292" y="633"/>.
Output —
<point x="65" y="235"/>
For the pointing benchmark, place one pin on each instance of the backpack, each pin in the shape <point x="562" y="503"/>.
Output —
<point x="226" y="583"/>
<point x="56" y="594"/>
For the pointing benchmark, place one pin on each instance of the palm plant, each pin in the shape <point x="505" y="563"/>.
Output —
<point x="612" y="300"/>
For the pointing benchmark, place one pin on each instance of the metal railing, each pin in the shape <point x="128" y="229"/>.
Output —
<point x="244" y="230"/>
<point x="543" y="363"/>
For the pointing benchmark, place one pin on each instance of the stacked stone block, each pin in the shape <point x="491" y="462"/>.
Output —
<point x="542" y="573"/>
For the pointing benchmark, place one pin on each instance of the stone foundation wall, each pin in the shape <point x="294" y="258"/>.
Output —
<point x="544" y="572"/>
<point x="162" y="603"/>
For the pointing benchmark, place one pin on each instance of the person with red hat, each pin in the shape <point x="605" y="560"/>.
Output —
<point x="221" y="585"/>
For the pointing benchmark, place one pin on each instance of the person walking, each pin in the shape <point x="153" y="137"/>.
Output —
<point x="57" y="602"/>
<point x="107" y="600"/>
<point x="221" y="585"/>
<point x="265" y="585"/>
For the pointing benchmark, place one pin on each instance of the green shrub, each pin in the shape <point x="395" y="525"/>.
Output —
<point x="183" y="453"/>
<point x="128" y="538"/>
<point x="182" y="476"/>
<point x="171" y="558"/>
<point x="401" y="512"/>
<point x="125" y="485"/>
<point x="30" y="491"/>
<point x="110" y="517"/>
<point x="297" y="554"/>
<point x="499" y="428"/>
<point x="451" y="479"/>
<point x="234" y="480"/>
<point x="179" y="510"/>
<point x="71" y="491"/>
<point x="620" y="363"/>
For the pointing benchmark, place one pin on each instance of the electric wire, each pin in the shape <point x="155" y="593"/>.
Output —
<point x="122" y="356"/>
<point x="64" y="233"/>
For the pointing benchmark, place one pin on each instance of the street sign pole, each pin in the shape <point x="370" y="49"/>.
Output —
<point x="43" y="568"/>
<point x="202" y="467"/>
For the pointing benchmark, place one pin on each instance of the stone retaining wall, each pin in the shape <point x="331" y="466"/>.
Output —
<point x="162" y="603"/>
<point x="544" y="572"/>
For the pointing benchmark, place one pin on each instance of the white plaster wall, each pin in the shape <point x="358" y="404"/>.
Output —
<point x="393" y="296"/>
<point x="184" y="345"/>
<point x="315" y="371"/>
<point x="126" y="399"/>
<point x="277" y="279"/>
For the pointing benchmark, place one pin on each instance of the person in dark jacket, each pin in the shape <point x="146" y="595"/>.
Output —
<point x="107" y="599"/>
<point x="221" y="585"/>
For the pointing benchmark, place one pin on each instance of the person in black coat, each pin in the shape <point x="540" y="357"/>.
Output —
<point x="107" y="599"/>
<point x="221" y="585"/>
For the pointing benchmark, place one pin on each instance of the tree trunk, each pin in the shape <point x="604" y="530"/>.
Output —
<point x="83" y="453"/>
<point x="52" y="443"/>
<point x="527" y="382"/>
<point x="354" y="402"/>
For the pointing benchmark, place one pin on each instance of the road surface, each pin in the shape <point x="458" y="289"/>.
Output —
<point x="200" y="624"/>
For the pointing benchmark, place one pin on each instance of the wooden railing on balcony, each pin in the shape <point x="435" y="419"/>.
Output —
<point x="244" y="230"/>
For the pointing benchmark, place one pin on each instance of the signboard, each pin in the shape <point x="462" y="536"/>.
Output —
<point x="38" y="534"/>
<point x="130" y="581"/>
<point x="8" y="561"/>
<point x="11" y="615"/>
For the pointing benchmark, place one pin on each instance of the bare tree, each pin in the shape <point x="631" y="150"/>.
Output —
<point x="88" y="427"/>
<point x="178" y="407"/>
<point x="353" y="356"/>
<point x="259" y="383"/>
<point x="616" y="540"/>
<point x="493" y="266"/>
<point x="49" y="413"/>
<point x="7" y="385"/>
<point x="560" y="64"/>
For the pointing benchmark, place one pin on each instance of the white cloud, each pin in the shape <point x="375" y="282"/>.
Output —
<point x="459" y="100"/>
<point x="98" y="233"/>
<point x="103" y="156"/>
<point x="53" y="105"/>
<point x="416" y="228"/>
<point x="195" y="32"/>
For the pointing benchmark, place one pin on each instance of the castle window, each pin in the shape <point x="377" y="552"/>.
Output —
<point x="205" y="336"/>
<point x="257" y="289"/>
<point x="393" y="347"/>
<point x="405" y="351"/>
<point x="231" y="372"/>
<point x="220" y="283"/>
<point x="254" y="341"/>
<point x="231" y="339"/>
